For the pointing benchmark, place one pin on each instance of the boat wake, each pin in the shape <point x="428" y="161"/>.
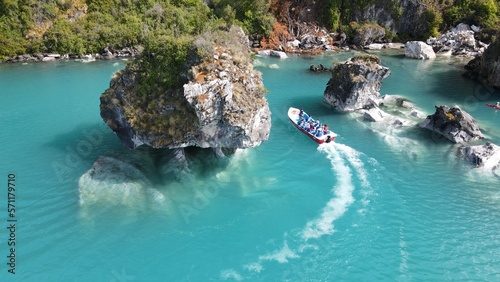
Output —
<point x="353" y="182"/>
<point x="343" y="192"/>
<point x="348" y="168"/>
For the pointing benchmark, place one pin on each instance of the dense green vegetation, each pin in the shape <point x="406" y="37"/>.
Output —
<point x="479" y="12"/>
<point x="87" y="26"/>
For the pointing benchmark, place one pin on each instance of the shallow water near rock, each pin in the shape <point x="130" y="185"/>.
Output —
<point x="382" y="203"/>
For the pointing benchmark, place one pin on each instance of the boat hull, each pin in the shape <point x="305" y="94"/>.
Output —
<point x="293" y="115"/>
<point x="493" y="106"/>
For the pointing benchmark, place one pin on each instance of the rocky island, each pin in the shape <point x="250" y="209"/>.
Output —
<point x="454" y="124"/>
<point x="211" y="97"/>
<point x="355" y="83"/>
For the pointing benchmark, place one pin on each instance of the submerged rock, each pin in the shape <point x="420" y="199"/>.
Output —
<point x="319" y="68"/>
<point x="487" y="155"/>
<point x="454" y="124"/>
<point x="217" y="98"/>
<point x="392" y="111"/>
<point x="116" y="180"/>
<point x="355" y="83"/>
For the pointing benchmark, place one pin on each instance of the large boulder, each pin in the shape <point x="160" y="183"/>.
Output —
<point x="454" y="124"/>
<point x="487" y="155"/>
<point x="419" y="50"/>
<point x="217" y="100"/>
<point x="355" y="83"/>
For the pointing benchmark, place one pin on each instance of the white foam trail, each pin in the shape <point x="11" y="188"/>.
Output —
<point x="230" y="274"/>
<point x="342" y="158"/>
<point x="281" y="255"/>
<point x="403" y="265"/>
<point x="353" y="157"/>
<point x="255" y="267"/>
<point x="338" y="205"/>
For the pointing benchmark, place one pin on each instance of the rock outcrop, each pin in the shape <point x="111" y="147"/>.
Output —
<point x="220" y="105"/>
<point x="319" y="68"/>
<point x="459" y="40"/>
<point x="487" y="155"/>
<point x="419" y="50"/>
<point x="454" y="124"/>
<point x="486" y="67"/>
<point x="355" y="83"/>
<point x="368" y="34"/>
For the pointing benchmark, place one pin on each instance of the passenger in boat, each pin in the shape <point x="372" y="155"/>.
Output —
<point x="305" y="125"/>
<point x="311" y="129"/>
<point x="301" y="123"/>
<point x="301" y="112"/>
<point x="325" y="129"/>
<point x="319" y="133"/>
<point x="316" y="123"/>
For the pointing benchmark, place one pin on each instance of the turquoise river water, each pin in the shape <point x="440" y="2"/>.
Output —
<point x="383" y="203"/>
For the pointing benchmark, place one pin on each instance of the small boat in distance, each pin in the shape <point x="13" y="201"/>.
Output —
<point x="493" y="106"/>
<point x="298" y="120"/>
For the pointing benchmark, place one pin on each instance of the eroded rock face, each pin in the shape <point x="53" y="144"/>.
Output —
<point x="454" y="124"/>
<point x="355" y="83"/>
<point x="222" y="105"/>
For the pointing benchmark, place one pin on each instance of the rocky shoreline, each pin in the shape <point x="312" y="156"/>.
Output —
<point x="105" y="54"/>
<point x="459" y="41"/>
